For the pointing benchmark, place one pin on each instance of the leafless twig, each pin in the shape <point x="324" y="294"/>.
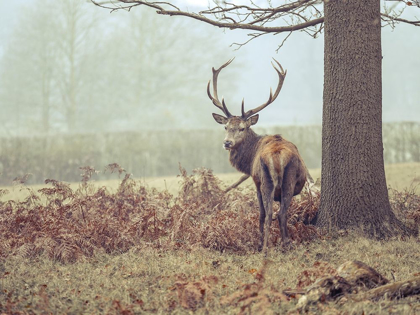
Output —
<point x="303" y="15"/>
<point x="250" y="18"/>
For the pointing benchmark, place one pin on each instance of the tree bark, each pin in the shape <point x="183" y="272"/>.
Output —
<point x="354" y="193"/>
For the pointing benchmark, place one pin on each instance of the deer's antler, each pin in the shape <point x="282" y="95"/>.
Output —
<point x="215" y="99"/>
<point x="282" y="75"/>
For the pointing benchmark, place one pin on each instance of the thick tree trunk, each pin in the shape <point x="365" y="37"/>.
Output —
<point x="354" y="192"/>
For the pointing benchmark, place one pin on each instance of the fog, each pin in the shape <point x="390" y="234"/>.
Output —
<point x="74" y="67"/>
<point x="70" y="67"/>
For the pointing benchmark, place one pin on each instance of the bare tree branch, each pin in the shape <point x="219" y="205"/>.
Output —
<point x="284" y="40"/>
<point x="387" y="18"/>
<point x="298" y="15"/>
<point x="219" y="13"/>
<point x="252" y="35"/>
<point x="237" y="183"/>
<point x="265" y="29"/>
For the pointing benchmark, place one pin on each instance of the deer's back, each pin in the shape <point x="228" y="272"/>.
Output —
<point x="280" y="158"/>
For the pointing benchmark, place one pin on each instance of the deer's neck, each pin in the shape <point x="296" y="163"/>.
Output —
<point x="242" y="157"/>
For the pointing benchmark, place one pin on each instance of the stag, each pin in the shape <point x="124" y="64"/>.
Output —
<point x="274" y="163"/>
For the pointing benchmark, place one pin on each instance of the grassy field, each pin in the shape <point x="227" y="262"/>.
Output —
<point x="207" y="282"/>
<point x="398" y="176"/>
<point x="146" y="280"/>
<point x="150" y="276"/>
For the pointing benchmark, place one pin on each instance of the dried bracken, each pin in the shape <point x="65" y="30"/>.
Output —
<point x="74" y="225"/>
<point x="70" y="225"/>
<point x="406" y="203"/>
<point x="256" y="297"/>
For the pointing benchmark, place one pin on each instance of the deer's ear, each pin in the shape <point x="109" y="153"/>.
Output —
<point x="220" y="119"/>
<point x="252" y="120"/>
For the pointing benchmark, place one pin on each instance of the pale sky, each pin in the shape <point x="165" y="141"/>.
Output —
<point x="301" y="99"/>
<point x="197" y="2"/>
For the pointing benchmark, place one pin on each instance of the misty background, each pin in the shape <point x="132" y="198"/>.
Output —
<point x="82" y="86"/>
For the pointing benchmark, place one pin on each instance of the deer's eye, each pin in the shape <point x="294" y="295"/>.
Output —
<point x="242" y="129"/>
<point x="225" y="127"/>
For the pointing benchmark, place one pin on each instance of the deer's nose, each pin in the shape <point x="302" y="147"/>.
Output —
<point x="227" y="143"/>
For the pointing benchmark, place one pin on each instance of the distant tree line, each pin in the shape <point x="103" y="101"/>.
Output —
<point x="159" y="153"/>
<point x="69" y="67"/>
<point x="401" y="142"/>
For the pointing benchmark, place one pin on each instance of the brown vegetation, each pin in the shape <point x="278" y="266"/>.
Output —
<point x="69" y="225"/>
<point x="92" y="250"/>
<point x="406" y="203"/>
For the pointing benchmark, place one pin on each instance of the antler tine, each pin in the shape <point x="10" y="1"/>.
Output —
<point x="225" y="110"/>
<point x="282" y="74"/>
<point x="215" y="99"/>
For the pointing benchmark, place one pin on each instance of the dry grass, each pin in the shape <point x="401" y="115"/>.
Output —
<point x="205" y="281"/>
<point x="398" y="176"/>
<point x="134" y="249"/>
<point x="403" y="176"/>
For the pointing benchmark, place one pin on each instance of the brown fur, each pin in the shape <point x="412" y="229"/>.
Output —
<point x="275" y="165"/>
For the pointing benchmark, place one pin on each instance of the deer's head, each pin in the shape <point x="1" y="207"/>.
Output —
<point x="237" y="127"/>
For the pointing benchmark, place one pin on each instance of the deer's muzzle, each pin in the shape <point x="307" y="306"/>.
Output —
<point x="227" y="145"/>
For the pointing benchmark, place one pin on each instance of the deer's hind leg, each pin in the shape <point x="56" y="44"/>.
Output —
<point x="267" y="197"/>
<point x="262" y="218"/>
<point x="287" y="193"/>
